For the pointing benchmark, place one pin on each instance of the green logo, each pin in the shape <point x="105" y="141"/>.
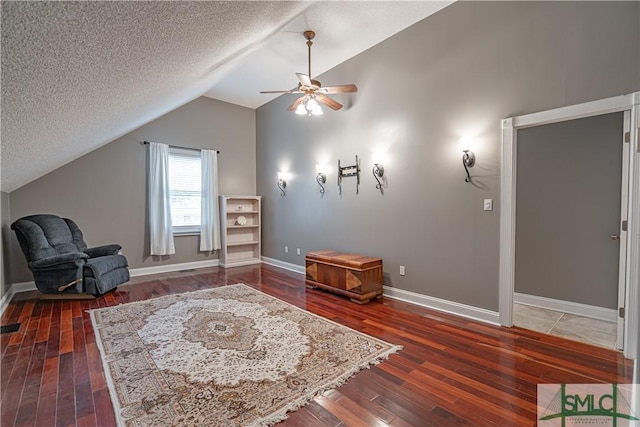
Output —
<point x="585" y="401"/>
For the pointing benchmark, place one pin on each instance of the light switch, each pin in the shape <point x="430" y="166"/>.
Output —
<point x="488" y="204"/>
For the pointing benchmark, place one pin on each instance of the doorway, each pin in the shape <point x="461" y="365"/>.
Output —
<point x="623" y="302"/>
<point x="568" y="208"/>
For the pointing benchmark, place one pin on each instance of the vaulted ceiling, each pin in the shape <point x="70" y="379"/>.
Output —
<point x="77" y="75"/>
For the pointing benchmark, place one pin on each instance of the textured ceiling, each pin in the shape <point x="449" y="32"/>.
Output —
<point x="77" y="75"/>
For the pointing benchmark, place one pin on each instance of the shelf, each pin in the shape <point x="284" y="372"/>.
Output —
<point x="240" y="243"/>
<point x="253" y="242"/>
<point x="242" y="212"/>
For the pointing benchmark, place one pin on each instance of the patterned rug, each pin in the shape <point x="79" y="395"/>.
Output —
<point x="229" y="356"/>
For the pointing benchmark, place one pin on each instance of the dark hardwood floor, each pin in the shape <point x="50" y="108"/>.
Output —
<point x="452" y="371"/>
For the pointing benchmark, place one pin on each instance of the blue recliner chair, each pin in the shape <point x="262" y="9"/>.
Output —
<point x="60" y="261"/>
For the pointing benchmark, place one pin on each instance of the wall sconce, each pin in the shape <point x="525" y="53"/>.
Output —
<point x="378" y="172"/>
<point x="468" y="160"/>
<point x="282" y="183"/>
<point x="321" y="177"/>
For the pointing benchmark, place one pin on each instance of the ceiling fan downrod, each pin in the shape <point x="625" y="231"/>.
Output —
<point x="309" y="35"/>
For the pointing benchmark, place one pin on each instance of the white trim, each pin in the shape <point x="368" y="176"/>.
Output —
<point x="458" y="309"/>
<point x="167" y="268"/>
<point x="570" y="307"/>
<point x="133" y="272"/>
<point x="4" y="302"/>
<point x="23" y="287"/>
<point x="232" y="264"/>
<point x="14" y="289"/>
<point x="506" y="275"/>
<point x="632" y="307"/>
<point x="624" y="212"/>
<point x="578" y="111"/>
<point x="508" y="208"/>
<point x="6" y="299"/>
<point x="285" y="265"/>
<point x="451" y="307"/>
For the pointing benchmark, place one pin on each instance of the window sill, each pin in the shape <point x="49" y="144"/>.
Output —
<point x="186" y="233"/>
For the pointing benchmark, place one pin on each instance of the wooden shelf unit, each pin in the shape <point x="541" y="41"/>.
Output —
<point x="241" y="244"/>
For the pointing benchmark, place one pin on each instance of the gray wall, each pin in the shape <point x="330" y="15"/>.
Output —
<point x="105" y="190"/>
<point x="568" y="205"/>
<point x="454" y="74"/>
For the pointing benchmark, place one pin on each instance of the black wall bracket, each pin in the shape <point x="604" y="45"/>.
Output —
<point x="347" y="171"/>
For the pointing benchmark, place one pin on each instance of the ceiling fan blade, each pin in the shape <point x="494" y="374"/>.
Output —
<point x="339" y="89"/>
<point x="334" y="105"/>
<point x="279" y="91"/>
<point x="304" y="79"/>
<point x="295" y="104"/>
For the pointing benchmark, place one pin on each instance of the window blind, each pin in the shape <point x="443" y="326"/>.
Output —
<point x="185" y="187"/>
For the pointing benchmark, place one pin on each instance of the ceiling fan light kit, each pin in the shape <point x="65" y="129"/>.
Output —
<point x="313" y="92"/>
<point x="309" y="107"/>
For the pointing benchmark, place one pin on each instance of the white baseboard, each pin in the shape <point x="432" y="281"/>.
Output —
<point x="167" y="268"/>
<point x="463" y="310"/>
<point x="240" y="263"/>
<point x="592" y="311"/>
<point x="286" y="265"/>
<point x="4" y="302"/>
<point x="6" y="299"/>
<point x="456" y="308"/>
<point x="14" y="289"/>
<point x="133" y="272"/>
<point x="23" y="287"/>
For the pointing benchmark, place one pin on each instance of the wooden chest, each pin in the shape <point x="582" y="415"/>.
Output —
<point x="356" y="276"/>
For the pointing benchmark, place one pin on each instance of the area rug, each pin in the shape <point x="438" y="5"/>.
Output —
<point x="229" y="356"/>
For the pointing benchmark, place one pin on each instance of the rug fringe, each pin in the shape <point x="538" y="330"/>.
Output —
<point x="107" y="371"/>
<point x="282" y="414"/>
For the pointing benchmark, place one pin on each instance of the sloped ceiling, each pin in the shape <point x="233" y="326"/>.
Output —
<point x="77" y="75"/>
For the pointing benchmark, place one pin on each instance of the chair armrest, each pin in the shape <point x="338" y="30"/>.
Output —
<point x="103" y="250"/>
<point x="69" y="257"/>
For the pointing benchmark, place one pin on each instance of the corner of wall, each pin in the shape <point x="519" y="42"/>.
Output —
<point x="5" y="243"/>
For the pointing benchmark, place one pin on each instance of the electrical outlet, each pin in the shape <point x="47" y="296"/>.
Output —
<point x="286" y="249"/>
<point x="298" y="251"/>
<point x="402" y="270"/>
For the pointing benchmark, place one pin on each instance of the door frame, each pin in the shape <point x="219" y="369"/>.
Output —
<point x="510" y="126"/>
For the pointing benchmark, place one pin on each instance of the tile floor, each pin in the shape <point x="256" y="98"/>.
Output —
<point x="593" y="331"/>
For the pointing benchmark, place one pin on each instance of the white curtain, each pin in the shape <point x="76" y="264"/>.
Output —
<point x="160" y="201"/>
<point x="210" y="224"/>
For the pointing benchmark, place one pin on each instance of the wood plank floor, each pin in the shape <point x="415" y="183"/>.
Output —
<point x="452" y="371"/>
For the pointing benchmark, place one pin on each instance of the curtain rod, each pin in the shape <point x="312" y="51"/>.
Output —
<point x="184" y="148"/>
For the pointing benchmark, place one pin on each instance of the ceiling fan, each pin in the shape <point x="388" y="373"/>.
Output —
<point x="314" y="93"/>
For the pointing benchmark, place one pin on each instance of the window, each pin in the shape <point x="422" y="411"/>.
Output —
<point x="185" y="188"/>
